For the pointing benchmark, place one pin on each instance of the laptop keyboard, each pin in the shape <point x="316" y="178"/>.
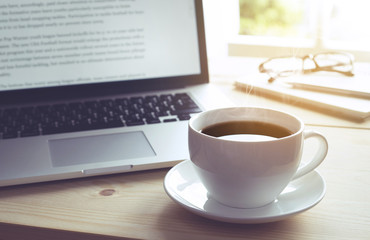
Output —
<point x="92" y="115"/>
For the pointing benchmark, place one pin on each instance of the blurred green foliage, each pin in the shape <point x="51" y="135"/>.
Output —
<point x="270" y="17"/>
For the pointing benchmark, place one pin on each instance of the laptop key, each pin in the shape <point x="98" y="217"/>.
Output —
<point x="170" y="120"/>
<point x="183" y="117"/>
<point x="151" y="118"/>
<point x="185" y="111"/>
<point x="134" y="123"/>
<point x="134" y="120"/>
<point x="112" y="122"/>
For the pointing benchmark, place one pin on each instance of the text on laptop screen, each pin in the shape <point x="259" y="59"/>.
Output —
<point x="66" y="42"/>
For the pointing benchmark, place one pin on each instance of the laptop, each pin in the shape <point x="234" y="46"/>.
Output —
<point x="99" y="88"/>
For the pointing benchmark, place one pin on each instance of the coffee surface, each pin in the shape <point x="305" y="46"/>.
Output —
<point x="246" y="127"/>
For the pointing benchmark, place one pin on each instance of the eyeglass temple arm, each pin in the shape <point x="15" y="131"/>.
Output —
<point x="327" y="69"/>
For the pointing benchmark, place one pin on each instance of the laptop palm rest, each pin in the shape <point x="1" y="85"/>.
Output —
<point x="99" y="148"/>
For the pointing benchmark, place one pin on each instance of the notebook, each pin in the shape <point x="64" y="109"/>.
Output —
<point x="336" y="95"/>
<point x="98" y="87"/>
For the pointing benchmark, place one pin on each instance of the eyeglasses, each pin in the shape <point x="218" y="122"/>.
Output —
<point x="286" y="66"/>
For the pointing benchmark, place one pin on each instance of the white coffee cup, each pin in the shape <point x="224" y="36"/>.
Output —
<point x="245" y="170"/>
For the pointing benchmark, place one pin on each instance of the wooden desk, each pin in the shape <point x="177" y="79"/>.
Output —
<point x="135" y="205"/>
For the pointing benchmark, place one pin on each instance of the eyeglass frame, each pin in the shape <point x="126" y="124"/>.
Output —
<point x="317" y="68"/>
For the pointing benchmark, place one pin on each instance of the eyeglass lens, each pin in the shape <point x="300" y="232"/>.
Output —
<point x="337" y="61"/>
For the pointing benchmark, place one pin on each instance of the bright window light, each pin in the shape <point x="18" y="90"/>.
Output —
<point x="268" y="28"/>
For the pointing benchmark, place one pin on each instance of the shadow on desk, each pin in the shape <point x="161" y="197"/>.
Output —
<point x="18" y="232"/>
<point x="186" y="225"/>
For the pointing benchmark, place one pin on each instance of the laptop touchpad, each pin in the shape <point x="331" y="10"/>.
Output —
<point x="100" y="148"/>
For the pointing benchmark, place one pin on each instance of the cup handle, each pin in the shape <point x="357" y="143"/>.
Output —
<point x="318" y="157"/>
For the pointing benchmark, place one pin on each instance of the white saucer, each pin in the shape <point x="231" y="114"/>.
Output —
<point x="184" y="187"/>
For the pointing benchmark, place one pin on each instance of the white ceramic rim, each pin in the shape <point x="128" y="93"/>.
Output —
<point x="197" y="116"/>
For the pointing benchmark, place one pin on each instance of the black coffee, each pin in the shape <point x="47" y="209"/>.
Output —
<point x="246" y="127"/>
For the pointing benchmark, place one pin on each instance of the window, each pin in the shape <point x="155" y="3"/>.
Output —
<point x="268" y="28"/>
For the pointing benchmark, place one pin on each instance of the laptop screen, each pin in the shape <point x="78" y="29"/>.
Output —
<point x="127" y="44"/>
